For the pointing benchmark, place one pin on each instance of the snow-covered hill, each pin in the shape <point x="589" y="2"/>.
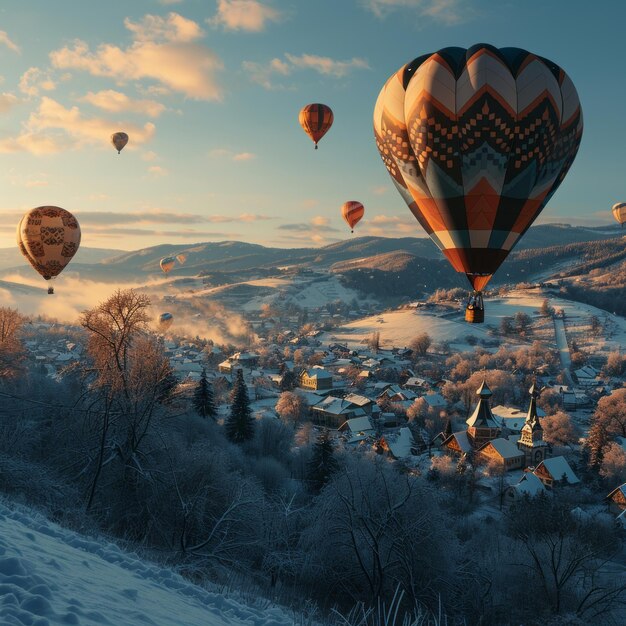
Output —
<point x="50" y="575"/>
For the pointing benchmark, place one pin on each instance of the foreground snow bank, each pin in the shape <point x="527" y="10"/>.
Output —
<point x="50" y="575"/>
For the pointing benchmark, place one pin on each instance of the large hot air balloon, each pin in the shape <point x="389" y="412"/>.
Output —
<point x="477" y="141"/>
<point x="168" y="263"/>
<point x="352" y="211"/>
<point x="181" y="258"/>
<point x="48" y="237"/>
<point x="316" y="119"/>
<point x="165" y="321"/>
<point x="619" y="213"/>
<point x="119" y="140"/>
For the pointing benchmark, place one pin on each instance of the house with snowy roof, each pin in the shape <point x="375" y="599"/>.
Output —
<point x="316" y="378"/>
<point x="399" y="445"/>
<point x="503" y="452"/>
<point x="617" y="499"/>
<point x="529" y="486"/>
<point x="556" y="471"/>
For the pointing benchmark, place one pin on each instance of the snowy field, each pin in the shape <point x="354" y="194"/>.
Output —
<point x="398" y="328"/>
<point x="49" y="575"/>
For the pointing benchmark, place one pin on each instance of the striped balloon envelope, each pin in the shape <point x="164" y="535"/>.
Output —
<point x="477" y="141"/>
<point x="316" y="120"/>
<point x="619" y="213"/>
<point x="352" y="212"/>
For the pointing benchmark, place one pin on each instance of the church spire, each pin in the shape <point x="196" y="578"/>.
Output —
<point x="532" y="419"/>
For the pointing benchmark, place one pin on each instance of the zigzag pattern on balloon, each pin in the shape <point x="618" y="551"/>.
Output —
<point x="477" y="141"/>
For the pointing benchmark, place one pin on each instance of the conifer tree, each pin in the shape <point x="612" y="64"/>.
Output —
<point x="203" y="402"/>
<point x="323" y="463"/>
<point x="239" y="425"/>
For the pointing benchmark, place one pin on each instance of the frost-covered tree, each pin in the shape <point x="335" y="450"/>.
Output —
<point x="559" y="430"/>
<point x="323" y="463"/>
<point x="11" y="348"/>
<point x="239" y="425"/>
<point x="291" y="407"/>
<point x="613" y="466"/>
<point x="203" y="402"/>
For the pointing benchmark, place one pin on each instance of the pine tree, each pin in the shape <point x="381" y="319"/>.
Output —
<point x="239" y="425"/>
<point x="597" y="441"/>
<point x="203" y="401"/>
<point x="323" y="463"/>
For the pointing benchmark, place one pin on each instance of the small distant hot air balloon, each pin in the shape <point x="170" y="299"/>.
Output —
<point x="168" y="263"/>
<point x="181" y="258"/>
<point x="316" y="119"/>
<point x="119" y="140"/>
<point x="48" y="237"/>
<point x="352" y="211"/>
<point x="165" y="321"/>
<point x="477" y="141"/>
<point x="619" y="213"/>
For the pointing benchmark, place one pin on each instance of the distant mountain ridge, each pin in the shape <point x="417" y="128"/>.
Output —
<point x="236" y="256"/>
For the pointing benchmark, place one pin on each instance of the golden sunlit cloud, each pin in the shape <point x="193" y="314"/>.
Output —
<point x="246" y="15"/>
<point x="444" y="11"/>
<point x="5" y="40"/>
<point x="263" y="74"/>
<point x="225" y="153"/>
<point x="35" y="80"/>
<point x="8" y="101"/>
<point x="174" y="28"/>
<point x="157" y="170"/>
<point x="162" y="51"/>
<point x="117" y="102"/>
<point x="52" y="128"/>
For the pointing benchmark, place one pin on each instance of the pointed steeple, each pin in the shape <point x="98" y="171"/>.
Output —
<point x="483" y="391"/>
<point x="482" y="417"/>
<point x="532" y="419"/>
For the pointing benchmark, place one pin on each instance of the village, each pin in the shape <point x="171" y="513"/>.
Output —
<point x="509" y="419"/>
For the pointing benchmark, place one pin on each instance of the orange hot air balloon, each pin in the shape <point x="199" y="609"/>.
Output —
<point x="477" y="141"/>
<point x="619" y="213"/>
<point x="181" y="258"/>
<point x="119" y="140"/>
<point x="167" y="264"/>
<point x="48" y="237"/>
<point x="316" y="119"/>
<point x="165" y="321"/>
<point x="352" y="211"/>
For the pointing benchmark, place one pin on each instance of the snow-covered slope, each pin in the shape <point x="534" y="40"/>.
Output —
<point x="50" y="575"/>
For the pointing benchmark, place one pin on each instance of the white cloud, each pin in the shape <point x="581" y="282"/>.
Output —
<point x="263" y="74"/>
<point x="247" y="15"/>
<point x="149" y="155"/>
<point x="444" y="11"/>
<point x="157" y="171"/>
<point x="7" y="101"/>
<point x="326" y="65"/>
<point x="244" y="156"/>
<point x="173" y="28"/>
<point x="224" y="153"/>
<point x="52" y="128"/>
<point x="381" y="190"/>
<point x="6" y="41"/>
<point x="116" y="102"/>
<point x="34" y="80"/>
<point x="163" y="51"/>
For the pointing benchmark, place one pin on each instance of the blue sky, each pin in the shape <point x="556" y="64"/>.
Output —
<point x="209" y="92"/>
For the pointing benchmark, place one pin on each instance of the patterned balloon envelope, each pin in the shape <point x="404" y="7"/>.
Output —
<point x="119" y="140"/>
<point x="165" y="321"/>
<point x="167" y="263"/>
<point x="476" y="142"/>
<point x="48" y="237"/>
<point x="316" y="120"/>
<point x="352" y="212"/>
<point x="619" y="213"/>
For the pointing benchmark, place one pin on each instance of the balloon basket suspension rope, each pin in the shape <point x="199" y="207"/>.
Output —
<point x="475" y="309"/>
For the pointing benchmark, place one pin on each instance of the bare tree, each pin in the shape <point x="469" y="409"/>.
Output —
<point x="11" y="348"/>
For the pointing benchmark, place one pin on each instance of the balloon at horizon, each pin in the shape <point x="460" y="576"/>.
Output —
<point x="48" y="237"/>
<point x="477" y="141"/>
<point x="619" y="213"/>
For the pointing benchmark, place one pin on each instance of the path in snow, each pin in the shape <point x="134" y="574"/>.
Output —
<point x="563" y="347"/>
<point x="50" y="575"/>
